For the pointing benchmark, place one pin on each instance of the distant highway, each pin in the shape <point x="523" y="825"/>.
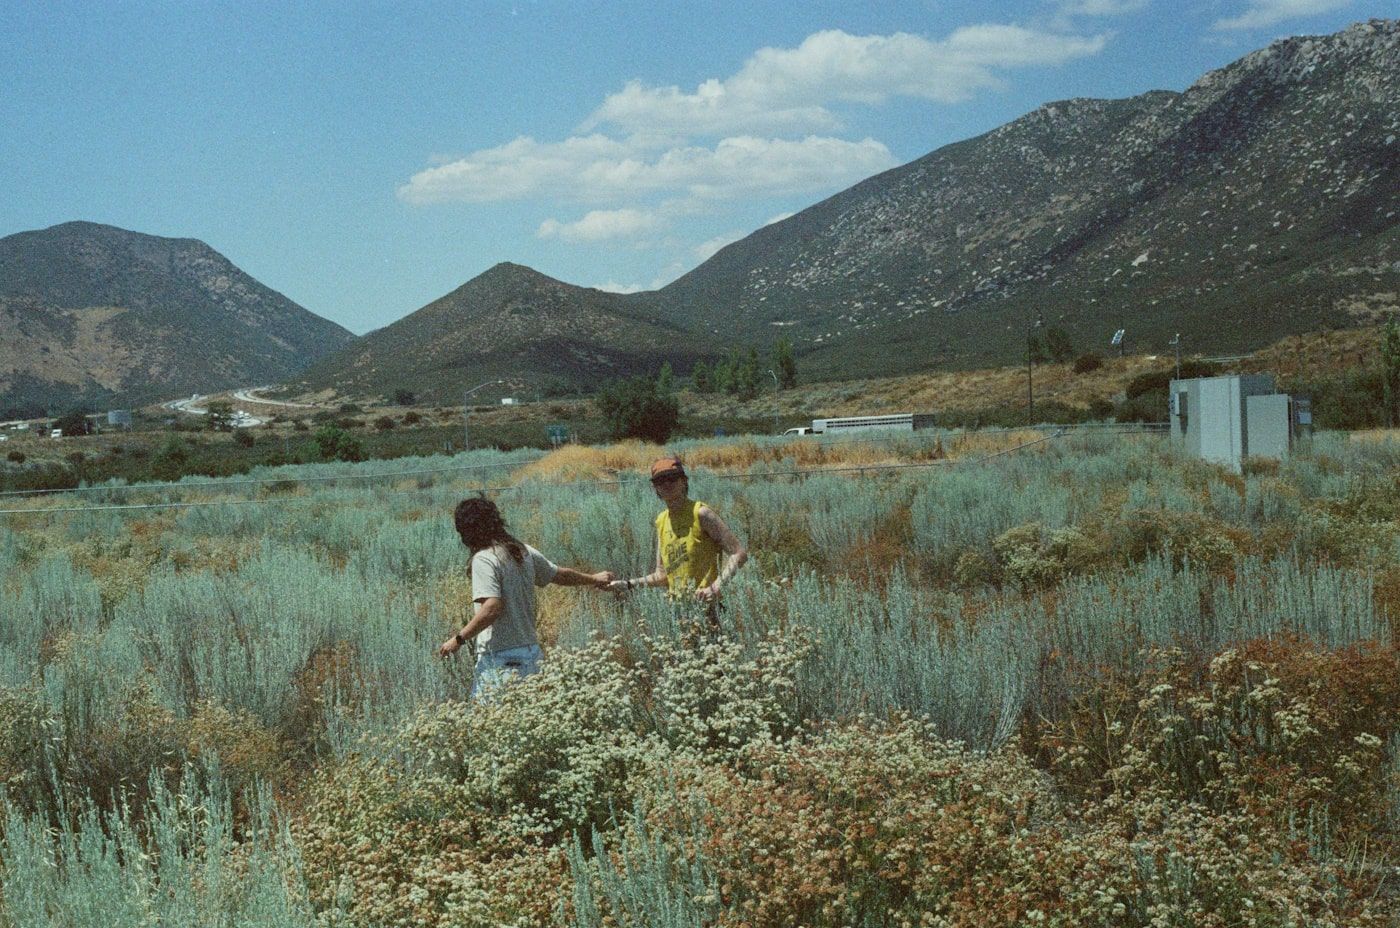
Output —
<point x="242" y="419"/>
<point x="188" y="405"/>
<point x="248" y="395"/>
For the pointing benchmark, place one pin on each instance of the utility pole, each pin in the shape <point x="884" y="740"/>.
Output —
<point x="1176" y="343"/>
<point x="1030" y="385"/>
<point x="467" y="409"/>
<point x="776" y="387"/>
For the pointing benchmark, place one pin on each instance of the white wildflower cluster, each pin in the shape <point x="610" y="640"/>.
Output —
<point x="549" y="753"/>
<point x="711" y="702"/>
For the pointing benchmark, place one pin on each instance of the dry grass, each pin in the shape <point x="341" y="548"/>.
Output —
<point x="586" y="462"/>
<point x="603" y="462"/>
<point x="933" y="392"/>
<point x="1374" y="435"/>
<point x="1317" y="354"/>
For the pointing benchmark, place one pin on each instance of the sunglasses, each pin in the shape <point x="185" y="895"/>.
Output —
<point x="665" y="478"/>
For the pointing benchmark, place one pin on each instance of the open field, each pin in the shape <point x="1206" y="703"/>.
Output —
<point x="165" y="445"/>
<point x="1086" y="682"/>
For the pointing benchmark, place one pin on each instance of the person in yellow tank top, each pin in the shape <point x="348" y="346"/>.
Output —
<point x="690" y="539"/>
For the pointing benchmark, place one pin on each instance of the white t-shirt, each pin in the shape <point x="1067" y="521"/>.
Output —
<point x="496" y="573"/>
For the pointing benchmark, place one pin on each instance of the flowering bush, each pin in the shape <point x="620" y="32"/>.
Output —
<point x="1275" y="728"/>
<point x="707" y="701"/>
<point x="884" y="824"/>
<point x="1031" y="557"/>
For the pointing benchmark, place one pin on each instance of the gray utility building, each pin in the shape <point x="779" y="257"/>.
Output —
<point x="1226" y="419"/>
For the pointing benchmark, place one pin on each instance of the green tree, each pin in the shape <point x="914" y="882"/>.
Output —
<point x="724" y="374"/>
<point x="1390" y="371"/>
<point x="701" y="378"/>
<point x="220" y="417"/>
<point x="335" y="444"/>
<point x="666" y="380"/>
<point x="75" y="422"/>
<point x="404" y="397"/>
<point x="747" y="376"/>
<point x="1035" y="346"/>
<point x="1057" y="342"/>
<point x="636" y="408"/>
<point x="784" y="365"/>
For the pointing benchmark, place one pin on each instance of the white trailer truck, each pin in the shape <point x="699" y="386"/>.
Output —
<point x="900" y="422"/>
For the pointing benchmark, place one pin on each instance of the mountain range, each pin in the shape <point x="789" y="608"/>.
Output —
<point x="95" y="316"/>
<point x="1261" y="201"/>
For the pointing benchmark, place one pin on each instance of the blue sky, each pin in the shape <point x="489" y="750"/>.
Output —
<point x="366" y="158"/>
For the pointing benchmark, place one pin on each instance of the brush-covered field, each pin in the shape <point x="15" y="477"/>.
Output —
<point x="1087" y="682"/>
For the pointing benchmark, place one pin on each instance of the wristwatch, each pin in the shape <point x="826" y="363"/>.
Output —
<point x="460" y="640"/>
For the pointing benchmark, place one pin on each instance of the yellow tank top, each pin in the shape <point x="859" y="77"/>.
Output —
<point x="691" y="557"/>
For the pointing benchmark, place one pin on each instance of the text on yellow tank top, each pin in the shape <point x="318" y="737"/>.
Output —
<point x="690" y="557"/>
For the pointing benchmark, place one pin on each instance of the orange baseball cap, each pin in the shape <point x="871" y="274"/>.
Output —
<point x="667" y="467"/>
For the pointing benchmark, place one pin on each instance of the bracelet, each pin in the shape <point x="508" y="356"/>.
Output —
<point x="460" y="640"/>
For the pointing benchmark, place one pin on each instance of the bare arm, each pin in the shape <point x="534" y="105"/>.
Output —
<point x="657" y="577"/>
<point x="736" y="553"/>
<point x="567" y="576"/>
<point x="488" y="610"/>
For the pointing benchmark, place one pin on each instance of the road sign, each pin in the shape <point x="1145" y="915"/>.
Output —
<point x="1118" y="337"/>
<point x="558" y="434"/>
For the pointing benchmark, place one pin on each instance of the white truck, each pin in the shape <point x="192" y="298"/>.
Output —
<point x="899" y="422"/>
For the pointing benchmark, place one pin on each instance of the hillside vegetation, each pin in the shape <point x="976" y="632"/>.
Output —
<point x="93" y="315"/>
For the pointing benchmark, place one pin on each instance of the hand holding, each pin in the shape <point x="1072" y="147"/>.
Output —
<point x="604" y="579"/>
<point x="617" y="586"/>
<point x="708" y="593"/>
<point x="449" y="647"/>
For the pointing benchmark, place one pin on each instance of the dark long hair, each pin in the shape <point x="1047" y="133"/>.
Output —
<point x="480" y="526"/>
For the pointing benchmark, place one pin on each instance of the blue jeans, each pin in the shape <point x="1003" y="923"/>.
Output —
<point x="495" y="668"/>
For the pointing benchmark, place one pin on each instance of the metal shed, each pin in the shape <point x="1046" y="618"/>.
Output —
<point x="1226" y="419"/>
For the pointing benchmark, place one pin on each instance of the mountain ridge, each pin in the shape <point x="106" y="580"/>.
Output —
<point x="977" y="236"/>
<point x="91" y="314"/>
<point x="510" y="322"/>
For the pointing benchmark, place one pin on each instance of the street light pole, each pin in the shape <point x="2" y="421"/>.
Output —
<point x="466" y="411"/>
<point x="776" y="387"/>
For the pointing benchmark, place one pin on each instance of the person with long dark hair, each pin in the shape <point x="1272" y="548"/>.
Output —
<point x="505" y="572"/>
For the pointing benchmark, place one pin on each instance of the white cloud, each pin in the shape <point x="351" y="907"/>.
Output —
<point x="602" y="225"/>
<point x="1101" y="7"/>
<point x="790" y="89"/>
<point x="595" y="168"/>
<point x="614" y="287"/>
<point x="706" y="250"/>
<point x="516" y="169"/>
<point x="1262" y="13"/>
